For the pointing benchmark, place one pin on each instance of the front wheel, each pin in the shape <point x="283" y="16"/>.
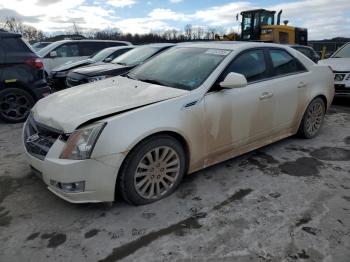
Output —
<point x="15" y="105"/>
<point x="152" y="170"/>
<point x="312" y="119"/>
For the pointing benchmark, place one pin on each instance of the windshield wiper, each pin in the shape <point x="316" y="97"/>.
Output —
<point x="123" y="64"/>
<point x="152" y="81"/>
<point x="128" y="76"/>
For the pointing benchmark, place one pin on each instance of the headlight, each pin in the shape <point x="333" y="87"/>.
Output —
<point x="81" y="142"/>
<point x="96" y="78"/>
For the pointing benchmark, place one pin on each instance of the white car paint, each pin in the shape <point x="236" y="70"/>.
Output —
<point x="52" y="62"/>
<point x="218" y="126"/>
<point x="340" y="66"/>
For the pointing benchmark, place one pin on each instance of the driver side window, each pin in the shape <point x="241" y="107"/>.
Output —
<point x="251" y="64"/>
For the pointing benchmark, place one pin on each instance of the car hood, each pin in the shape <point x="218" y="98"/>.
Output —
<point x="99" y="69"/>
<point x="68" y="109"/>
<point x="337" y="64"/>
<point x="70" y="65"/>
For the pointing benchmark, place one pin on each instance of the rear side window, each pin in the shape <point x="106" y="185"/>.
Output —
<point x="2" y="55"/>
<point x="251" y="64"/>
<point x="283" y="63"/>
<point x="67" y="50"/>
<point x="89" y="48"/>
<point x="14" y="45"/>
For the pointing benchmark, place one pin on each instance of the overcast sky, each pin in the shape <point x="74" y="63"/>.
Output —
<point x="323" y="18"/>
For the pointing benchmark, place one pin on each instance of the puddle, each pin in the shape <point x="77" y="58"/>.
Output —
<point x="302" y="167"/>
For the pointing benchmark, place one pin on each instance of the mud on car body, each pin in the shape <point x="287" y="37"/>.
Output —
<point x="189" y="107"/>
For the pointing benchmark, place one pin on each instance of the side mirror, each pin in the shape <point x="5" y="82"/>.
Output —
<point x="108" y="60"/>
<point x="53" y="54"/>
<point x="234" y="80"/>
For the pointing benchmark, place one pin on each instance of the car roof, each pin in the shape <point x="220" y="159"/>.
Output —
<point x="232" y="45"/>
<point x="158" y="45"/>
<point x="118" y="47"/>
<point x="300" y="46"/>
<point x="89" y="40"/>
<point x="5" y="34"/>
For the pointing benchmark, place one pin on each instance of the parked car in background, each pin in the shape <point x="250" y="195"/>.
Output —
<point x="118" y="66"/>
<point x="22" y="80"/>
<point x="61" y="52"/>
<point x="39" y="45"/>
<point x="189" y="107"/>
<point x="57" y="77"/>
<point x="340" y="64"/>
<point x="307" y="51"/>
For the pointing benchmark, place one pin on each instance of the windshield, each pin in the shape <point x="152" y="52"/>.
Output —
<point x="46" y="49"/>
<point x="136" y="56"/>
<point x="343" y="52"/>
<point x="100" y="56"/>
<point x="185" y="68"/>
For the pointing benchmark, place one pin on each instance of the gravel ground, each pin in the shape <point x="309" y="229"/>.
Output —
<point x="289" y="201"/>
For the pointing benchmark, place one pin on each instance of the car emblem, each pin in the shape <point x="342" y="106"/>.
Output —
<point x="33" y="138"/>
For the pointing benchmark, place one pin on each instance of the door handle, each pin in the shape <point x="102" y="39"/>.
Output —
<point x="266" y="95"/>
<point x="302" y="85"/>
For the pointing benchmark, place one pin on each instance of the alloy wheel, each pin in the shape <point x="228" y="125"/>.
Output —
<point x="157" y="172"/>
<point x="314" y="118"/>
<point x="15" y="106"/>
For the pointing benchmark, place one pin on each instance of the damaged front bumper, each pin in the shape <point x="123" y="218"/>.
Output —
<point x="76" y="181"/>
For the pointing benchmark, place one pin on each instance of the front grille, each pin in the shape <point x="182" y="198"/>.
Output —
<point x="38" y="139"/>
<point x="341" y="89"/>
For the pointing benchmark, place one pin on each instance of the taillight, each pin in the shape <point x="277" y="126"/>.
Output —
<point x="35" y="62"/>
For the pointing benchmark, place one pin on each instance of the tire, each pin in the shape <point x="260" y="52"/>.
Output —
<point x="138" y="173"/>
<point x="313" y="118"/>
<point x="15" y="105"/>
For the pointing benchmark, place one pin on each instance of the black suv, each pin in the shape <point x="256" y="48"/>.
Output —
<point x="22" y="80"/>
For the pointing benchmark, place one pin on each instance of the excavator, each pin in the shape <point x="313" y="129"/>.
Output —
<point x="259" y="25"/>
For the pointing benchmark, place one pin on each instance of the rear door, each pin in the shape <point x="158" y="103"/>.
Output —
<point x="88" y="49"/>
<point x="240" y="116"/>
<point x="290" y="83"/>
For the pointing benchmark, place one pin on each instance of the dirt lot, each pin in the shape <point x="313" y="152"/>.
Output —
<point x="289" y="201"/>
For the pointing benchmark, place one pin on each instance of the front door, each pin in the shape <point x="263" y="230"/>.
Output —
<point x="238" y="117"/>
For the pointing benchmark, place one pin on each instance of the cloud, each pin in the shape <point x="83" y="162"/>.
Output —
<point x="175" y="1"/>
<point x="323" y="19"/>
<point x="167" y="14"/>
<point x="224" y="14"/>
<point x="8" y="13"/>
<point x="142" y="25"/>
<point x="47" y="2"/>
<point x="121" y="3"/>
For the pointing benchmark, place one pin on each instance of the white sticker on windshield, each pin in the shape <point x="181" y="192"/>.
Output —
<point x="217" y="52"/>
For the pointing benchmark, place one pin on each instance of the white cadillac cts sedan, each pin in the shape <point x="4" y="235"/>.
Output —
<point x="190" y="107"/>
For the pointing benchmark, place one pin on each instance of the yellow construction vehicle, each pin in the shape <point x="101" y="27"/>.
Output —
<point x="259" y="25"/>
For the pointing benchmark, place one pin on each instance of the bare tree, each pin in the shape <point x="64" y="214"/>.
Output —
<point x="188" y="31"/>
<point x="14" y="25"/>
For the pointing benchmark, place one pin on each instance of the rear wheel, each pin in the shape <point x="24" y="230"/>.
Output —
<point x="152" y="170"/>
<point x="15" y="105"/>
<point x="312" y="119"/>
